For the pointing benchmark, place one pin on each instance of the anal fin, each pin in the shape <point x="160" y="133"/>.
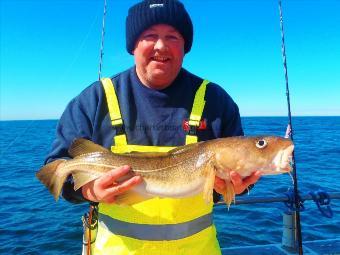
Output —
<point x="81" y="178"/>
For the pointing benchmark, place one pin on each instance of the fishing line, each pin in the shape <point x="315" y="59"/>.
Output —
<point x="79" y="50"/>
<point x="296" y="196"/>
<point x="102" y="43"/>
<point x="16" y="138"/>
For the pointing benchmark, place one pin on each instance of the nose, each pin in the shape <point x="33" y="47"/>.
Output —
<point x="160" y="44"/>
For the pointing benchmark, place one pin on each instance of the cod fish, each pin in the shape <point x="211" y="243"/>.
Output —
<point x="184" y="171"/>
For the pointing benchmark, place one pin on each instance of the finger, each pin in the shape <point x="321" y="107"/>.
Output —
<point x="87" y="192"/>
<point x="253" y="178"/>
<point x="124" y="186"/>
<point x="219" y="189"/>
<point x="236" y="179"/>
<point x="109" y="199"/>
<point x="109" y="178"/>
<point x="219" y="181"/>
<point x="219" y="184"/>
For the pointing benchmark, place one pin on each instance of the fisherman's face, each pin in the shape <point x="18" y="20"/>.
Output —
<point x="159" y="53"/>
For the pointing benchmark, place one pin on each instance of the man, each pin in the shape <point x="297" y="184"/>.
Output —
<point x="154" y="106"/>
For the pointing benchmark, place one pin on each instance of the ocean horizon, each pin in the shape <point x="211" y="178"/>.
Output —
<point x="245" y="116"/>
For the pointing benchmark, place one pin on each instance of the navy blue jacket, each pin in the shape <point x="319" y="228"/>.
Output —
<point x="151" y="117"/>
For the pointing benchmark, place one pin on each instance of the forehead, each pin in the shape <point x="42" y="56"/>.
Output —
<point x="164" y="28"/>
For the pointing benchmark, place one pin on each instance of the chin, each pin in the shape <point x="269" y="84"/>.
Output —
<point x="160" y="81"/>
<point x="159" y="73"/>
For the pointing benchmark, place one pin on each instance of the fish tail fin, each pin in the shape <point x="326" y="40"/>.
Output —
<point x="50" y="177"/>
<point x="229" y="194"/>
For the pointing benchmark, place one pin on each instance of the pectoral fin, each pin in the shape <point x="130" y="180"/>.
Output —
<point x="229" y="194"/>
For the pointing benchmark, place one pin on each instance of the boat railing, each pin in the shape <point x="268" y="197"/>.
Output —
<point x="289" y="244"/>
<point x="278" y="198"/>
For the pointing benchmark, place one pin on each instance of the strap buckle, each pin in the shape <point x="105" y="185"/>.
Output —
<point x="192" y="130"/>
<point x="119" y="128"/>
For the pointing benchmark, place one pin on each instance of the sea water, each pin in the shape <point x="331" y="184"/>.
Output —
<point x="31" y="222"/>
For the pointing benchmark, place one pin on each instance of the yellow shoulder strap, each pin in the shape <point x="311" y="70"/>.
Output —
<point x="197" y="110"/>
<point x="114" y="111"/>
<point x="117" y="121"/>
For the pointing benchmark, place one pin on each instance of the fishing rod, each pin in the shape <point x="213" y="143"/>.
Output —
<point x="102" y="43"/>
<point x="90" y="219"/>
<point x="290" y="127"/>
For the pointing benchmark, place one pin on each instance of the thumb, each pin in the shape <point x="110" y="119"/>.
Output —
<point x="236" y="178"/>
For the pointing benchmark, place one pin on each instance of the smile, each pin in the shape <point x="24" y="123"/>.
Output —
<point x="160" y="58"/>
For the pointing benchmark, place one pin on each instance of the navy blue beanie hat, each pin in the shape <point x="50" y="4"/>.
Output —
<point x="151" y="12"/>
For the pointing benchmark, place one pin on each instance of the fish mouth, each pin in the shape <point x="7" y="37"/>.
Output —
<point x="283" y="160"/>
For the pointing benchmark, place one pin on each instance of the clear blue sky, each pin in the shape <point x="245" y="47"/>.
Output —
<point x="50" y="52"/>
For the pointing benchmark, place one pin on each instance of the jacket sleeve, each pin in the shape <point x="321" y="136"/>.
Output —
<point x="76" y="121"/>
<point x="231" y="123"/>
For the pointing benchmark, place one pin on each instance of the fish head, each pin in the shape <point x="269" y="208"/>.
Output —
<point x="268" y="154"/>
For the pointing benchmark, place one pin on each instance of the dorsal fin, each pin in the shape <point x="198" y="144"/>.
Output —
<point x="82" y="146"/>
<point x="185" y="148"/>
<point x="174" y="151"/>
<point x="145" y="154"/>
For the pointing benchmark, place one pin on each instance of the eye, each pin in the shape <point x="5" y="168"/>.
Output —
<point x="261" y="143"/>
<point x="172" y="37"/>
<point x="149" y="36"/>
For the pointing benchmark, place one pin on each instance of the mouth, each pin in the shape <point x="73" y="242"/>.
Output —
<point x="160" y="59"/>
<point x="283" y="159"/>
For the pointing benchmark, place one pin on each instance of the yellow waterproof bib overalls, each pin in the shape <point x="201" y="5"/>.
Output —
<point x="158" y="226"/>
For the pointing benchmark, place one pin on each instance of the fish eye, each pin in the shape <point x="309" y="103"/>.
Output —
<point x="261" y="144"/>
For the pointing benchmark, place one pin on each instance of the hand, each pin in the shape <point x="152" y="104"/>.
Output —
<point x="105" y="188"/>
<point x="239" y="184"/>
